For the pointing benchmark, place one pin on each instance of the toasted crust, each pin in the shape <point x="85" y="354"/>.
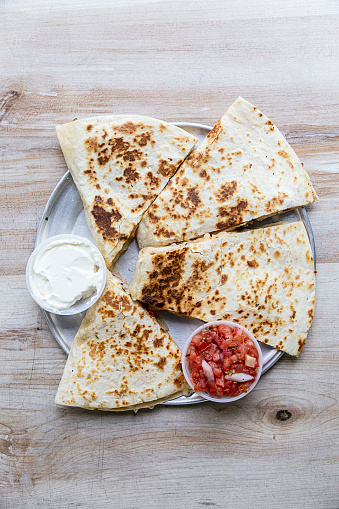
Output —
<point x="244" y="169"/>
<point x="119" y="165"/>
<point x="120" y="358"/>
<point x="262" y="278"/>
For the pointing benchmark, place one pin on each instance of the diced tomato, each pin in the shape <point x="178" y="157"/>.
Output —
<point x="202" y="345"/>
<point x="226" y="352"/>
<point x="225" y="331"/>
<point x="200" y="385"/>
<point x="196" y="339"/>
<point x="220" y="380"/>
<point x="195" y="359"/>
<point x="216" y="357"/>
<point x="212" y="349"/>
<point x="226" y="363"/>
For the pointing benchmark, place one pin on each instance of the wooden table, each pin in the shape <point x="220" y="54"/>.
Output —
<point x="184" y="61"/>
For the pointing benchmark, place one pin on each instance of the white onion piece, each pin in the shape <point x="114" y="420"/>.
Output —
<point x="208" y="371"/>
<point x="250" y="361"/>
<point x="241" y="377"/>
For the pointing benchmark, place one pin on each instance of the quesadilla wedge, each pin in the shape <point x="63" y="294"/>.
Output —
<point x="243" y="170"/>
<point x="262" y="278"/>
<point x="119" y="165"/>
<point x="120" y="358"/>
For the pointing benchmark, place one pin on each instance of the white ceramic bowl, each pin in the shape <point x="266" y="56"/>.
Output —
<point x="185" y="368"/>
<point x="80" y="305"/>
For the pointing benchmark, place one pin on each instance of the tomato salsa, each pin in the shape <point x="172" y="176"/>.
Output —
<point x="222" y="361"/>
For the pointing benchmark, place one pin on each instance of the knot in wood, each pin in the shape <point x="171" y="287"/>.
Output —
<point x="283" y="415"/>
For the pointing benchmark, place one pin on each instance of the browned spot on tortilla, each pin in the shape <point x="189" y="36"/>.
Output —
<point x="166" y="169"/>
<point x="277" y="254"/>
<point x="158" y="342"/>
<point x="198" y="158"/>
<point x="253" y="264"/>
<point x="131" y="175"/>
<point x="179" y="381"/>
<point x="203" y="175"/>
<point x="254" y="189"/>
<point x="233" y="215"/>
<point x="90" y="172"/>
<point x="144" y="138"/>
<point x="270" y="166"/>
<point x="309" y="258"/>
<point x="226" y="190"/>
<point x="115" y="146"/>
<point x="104" y="219"/>
<point x="91" y="144"/>
<point x="193" y="195"/>
<point x="215" y="131"/>
<point x="153" y="182"/>
<point x="286" y="156"/>
<point x="89" y="127"/>
<point x="247" y="167"/>
<point x="223" y="278"/>
<point x="97" y="350"/>
<point x="128" y="127"/>
<point x="161" y="363"/>
<point x="301" y="343"/>
<point x="153" y="219"/>
<point x="132" y="155"/>
<point x="104" y="156"/>
<point x="126" y="305"/>
<point x="275" y="203"/>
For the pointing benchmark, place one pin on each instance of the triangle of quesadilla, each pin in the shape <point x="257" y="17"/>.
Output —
<point x="243" y="170"/>
<point x="119" y="165"/>
<point x="262" y="278"/>
<point x="120" y="358"/>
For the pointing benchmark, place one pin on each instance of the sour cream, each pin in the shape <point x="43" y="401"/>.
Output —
<point x="65" y="270"/>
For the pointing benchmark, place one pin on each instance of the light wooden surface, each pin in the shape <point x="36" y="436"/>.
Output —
<point x="184" y="61"/>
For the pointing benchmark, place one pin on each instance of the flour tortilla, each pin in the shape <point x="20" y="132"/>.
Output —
<point x="120" y="358"/>
<point x="262" y="278"/>
<point x="119" y="165"/>
<point x="243" y="170"/>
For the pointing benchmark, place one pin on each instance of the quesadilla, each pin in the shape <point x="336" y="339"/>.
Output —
<point x="120" y="358"/>
<point x="119" y="165"/>
<point x="243" y="170"/>
<point x="262" y="278"/>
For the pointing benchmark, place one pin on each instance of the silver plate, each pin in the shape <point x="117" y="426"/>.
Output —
<point x="64" y="213"/>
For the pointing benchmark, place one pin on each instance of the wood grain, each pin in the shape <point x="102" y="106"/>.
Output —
<point x="184" y="61"/>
